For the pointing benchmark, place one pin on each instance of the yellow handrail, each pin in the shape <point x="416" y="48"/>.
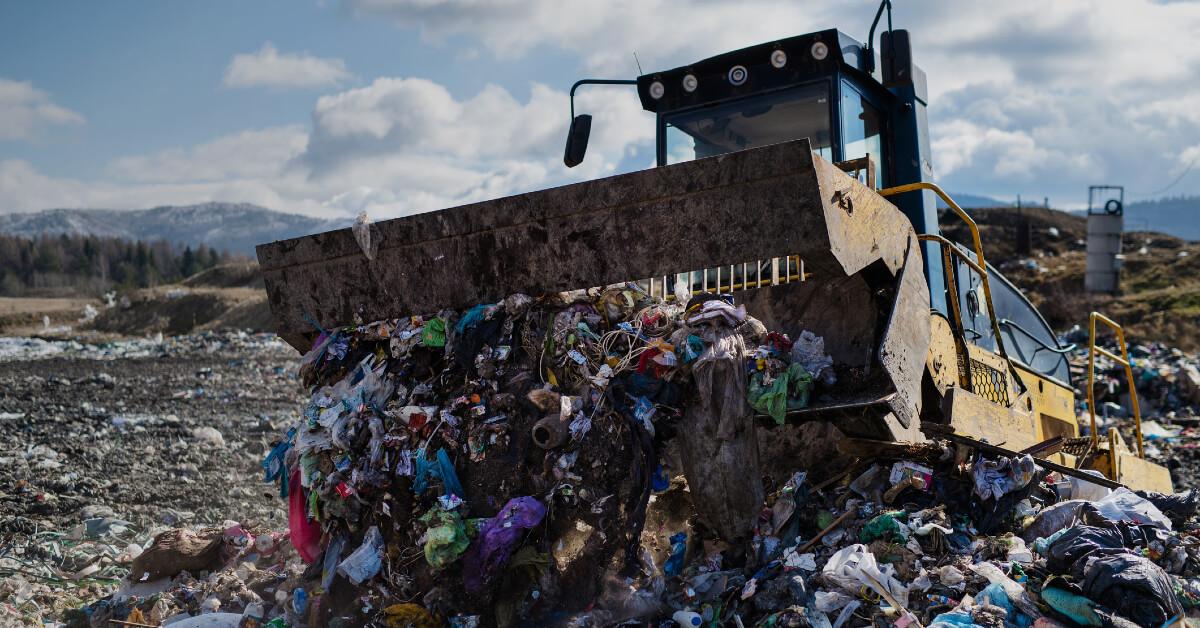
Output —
<point x="980" y="268"/>
<point x="1123" y="360"/>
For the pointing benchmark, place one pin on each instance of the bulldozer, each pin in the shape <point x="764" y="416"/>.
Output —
<point x="796" y="176"/>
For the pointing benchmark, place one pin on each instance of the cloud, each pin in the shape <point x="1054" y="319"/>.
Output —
<point x="24" y="188"/>
<point x="394" y="147"/>
<point x="269" y="68"/>
<point x="1025" y="96"/>
<point x="26" y="112"/>
<point x="254" y="153"/>
<point x="410" y="145"/>
<point x="604" y="35"/>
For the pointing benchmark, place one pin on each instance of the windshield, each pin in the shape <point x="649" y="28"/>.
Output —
<point x="790" y="114"/>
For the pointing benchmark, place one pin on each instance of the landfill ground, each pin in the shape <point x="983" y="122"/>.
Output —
<point x="107" y="443"/>
<point x="153" y="434"/>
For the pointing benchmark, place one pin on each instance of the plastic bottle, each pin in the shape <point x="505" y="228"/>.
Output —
<point x="687" y="619"/>
<point x="299" y="601"/>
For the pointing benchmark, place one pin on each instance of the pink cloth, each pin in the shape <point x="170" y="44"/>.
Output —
<point x="306" y="535"/>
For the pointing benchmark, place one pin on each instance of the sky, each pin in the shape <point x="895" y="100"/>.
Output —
<point x="329" y="107"/>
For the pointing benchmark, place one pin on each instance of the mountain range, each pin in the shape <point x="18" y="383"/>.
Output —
<point x="1175" y="215"/>
<point x="232" y="227"/>
<point x="238" y="227"/>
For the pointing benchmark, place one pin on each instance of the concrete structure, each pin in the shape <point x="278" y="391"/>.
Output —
<point x="1105" y="227"/>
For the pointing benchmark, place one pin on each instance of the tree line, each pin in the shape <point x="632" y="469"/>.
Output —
<point x="86" y="265"/>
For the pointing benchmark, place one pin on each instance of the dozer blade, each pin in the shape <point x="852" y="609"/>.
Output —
<point x="865" y="291"/>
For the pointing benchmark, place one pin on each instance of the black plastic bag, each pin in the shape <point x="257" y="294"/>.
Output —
<point x="1133" y="586"/>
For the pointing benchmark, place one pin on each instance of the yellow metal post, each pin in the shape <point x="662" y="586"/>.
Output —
<point x="980" y="266"/>
<point x="1091" y="385"/>
<point x="1123" y="360"/>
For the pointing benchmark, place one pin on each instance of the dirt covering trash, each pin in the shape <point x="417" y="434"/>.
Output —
<point x="519" y="464"/>
<point x="102" y="448"/>
<point x="1168" y="387"/>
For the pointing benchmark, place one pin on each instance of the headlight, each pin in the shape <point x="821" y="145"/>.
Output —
<point x="779" y="58"/>
<point x="690" y="83"/>
<point x="657" y="90"/>
<point x="738" y="75"/>
<point x="820" y="51"/>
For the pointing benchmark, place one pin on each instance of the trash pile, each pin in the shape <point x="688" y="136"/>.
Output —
<point x="100" y="452"/>
<point x="1168" y="390"/>
<point x="14" y="348"/>
<point x="152" y="574"/>
<point x="517" y="464"/>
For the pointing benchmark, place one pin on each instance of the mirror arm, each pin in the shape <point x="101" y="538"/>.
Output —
<point x="596" y="82"/>
<point x="870" y="50"/>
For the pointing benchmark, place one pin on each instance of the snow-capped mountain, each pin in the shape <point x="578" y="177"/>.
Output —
<point x="233" y="227"/>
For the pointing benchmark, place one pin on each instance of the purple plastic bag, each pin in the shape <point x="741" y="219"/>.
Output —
<point x="498" y="537"/>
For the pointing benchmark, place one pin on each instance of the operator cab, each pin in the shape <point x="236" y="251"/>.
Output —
<point x="814" y="86"/>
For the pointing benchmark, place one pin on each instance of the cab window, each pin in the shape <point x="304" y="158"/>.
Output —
<point x="799" y="112"/>
<point x="862" y="131"/>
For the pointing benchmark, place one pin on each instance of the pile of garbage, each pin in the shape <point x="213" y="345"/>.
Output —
<point x="516" y="464"/>
<point x="14" y="348"/>
<point x="1167" y="383"/>
<point x="152" y="575"/>
<point x="101" y="451"/>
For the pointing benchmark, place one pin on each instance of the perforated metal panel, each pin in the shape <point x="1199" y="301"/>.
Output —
<point x="989" y="383"/>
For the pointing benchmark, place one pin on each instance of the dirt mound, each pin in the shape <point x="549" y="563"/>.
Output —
<point x="1160" y="280"/>
<point x="232" y="275"/>
<point x="181" y="310"/>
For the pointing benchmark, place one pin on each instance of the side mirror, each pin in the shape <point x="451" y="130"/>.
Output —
<point x="577" y="140"/>
<point x="896" y="53"/>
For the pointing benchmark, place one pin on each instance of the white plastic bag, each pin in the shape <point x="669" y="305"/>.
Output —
<point x="1015" y="592"/>
<point x="950" y="576"/>
<point x="1083" y="489"/>
<point x="362" y="234"/>
<point x="364" y="562"/>
<point x="829" y="601"/>
<point x="853" y="566"/>
<point x="809" y="351"/>
<point x="1018" y="552"/>
<point x="1125" y="505"/>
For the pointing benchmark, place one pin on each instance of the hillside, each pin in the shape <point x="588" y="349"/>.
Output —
<point x="1175" y="215"/>
<point x="231" y="227"/>
<point x="1160" y="298"/>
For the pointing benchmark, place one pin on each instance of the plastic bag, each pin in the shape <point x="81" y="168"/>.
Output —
<point x="1088" y="491"/>
<point x="1016" y="593"/>
<point x="950" y="576"/>
<point x="1125" y="505"/>
<point x="363" y="563"/>
<point x="1178" y="507"/>
<point x="997" y="478"/>
<point x="305" y="534"/>
<point x="829" y="601"/>
<point x="1078" y="608"/>
<point x="498" y="537"/>
<point x="434" y="333"/>
<point x="362" y="234"/>
<point x="886" y="527"/>
<point x="446" y="539"/>
<point x="1018" y="552"/>
<point x="1052" y="519"/>
<point x="853" y="566"/>
<point x="994" y="595"/>
<point x="789" y="391"/>
<point x="953" y="619"/>
<point x="1132" y="586"/>
<point x="674" y="563"/>
<point x="440" y="468"/>
<point x="809" y="351"/>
